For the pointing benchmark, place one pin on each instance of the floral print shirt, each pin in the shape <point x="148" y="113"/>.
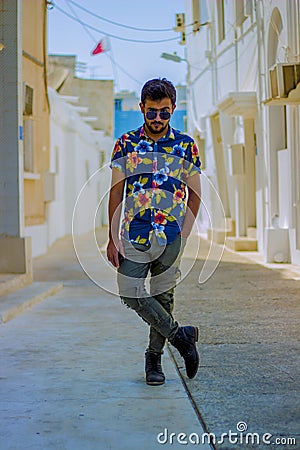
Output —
<point x="156" y="174"/>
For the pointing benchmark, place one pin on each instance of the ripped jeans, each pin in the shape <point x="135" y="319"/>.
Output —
<point x="155" y="307"/>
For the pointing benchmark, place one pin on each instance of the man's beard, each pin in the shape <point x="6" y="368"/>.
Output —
<point x="157" y="131"/>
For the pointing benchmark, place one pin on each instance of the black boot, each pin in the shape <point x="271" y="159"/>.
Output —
<point x="154" y="373"/>
<point x="184" y="341"/>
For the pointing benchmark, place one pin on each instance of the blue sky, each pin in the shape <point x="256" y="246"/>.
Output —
<point x="141" y="60"/>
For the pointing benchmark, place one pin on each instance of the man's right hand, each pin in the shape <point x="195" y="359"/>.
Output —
<point x="114" y="247"/>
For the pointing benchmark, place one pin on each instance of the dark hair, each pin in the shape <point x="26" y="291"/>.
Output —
<point x="157" y="89"/>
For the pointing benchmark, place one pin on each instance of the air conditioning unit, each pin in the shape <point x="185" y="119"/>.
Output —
<point x="180" y="22"/>
<point x="283" y="78"/>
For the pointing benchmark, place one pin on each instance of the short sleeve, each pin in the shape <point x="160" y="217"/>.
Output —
<point x="118" y="157"/>
<point x="192" y="163"/>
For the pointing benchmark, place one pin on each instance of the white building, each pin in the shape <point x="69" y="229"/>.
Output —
<point x="244" y="99"/>
<point x="76" y="201"/>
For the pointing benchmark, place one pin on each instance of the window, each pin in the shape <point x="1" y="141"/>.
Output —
<point x="221" y="20"/>
<point x="118" y="104"/>
<point x="28" y="101"/>
<point x="28" y="128"/>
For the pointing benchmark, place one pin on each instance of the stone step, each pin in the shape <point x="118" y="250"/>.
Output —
<point x="241" y="244"/>
<point x="217" y="235"/>
<point x="11" y="282"/>
<point x="230" y="225"/>
<point x="16" y="302"/>
<point x="252" y="232"/>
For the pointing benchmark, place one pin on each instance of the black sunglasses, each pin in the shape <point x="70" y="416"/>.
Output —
<point x="164" y="115"/>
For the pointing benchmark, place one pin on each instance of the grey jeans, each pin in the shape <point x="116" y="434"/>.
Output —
<point x="157" y="306"/>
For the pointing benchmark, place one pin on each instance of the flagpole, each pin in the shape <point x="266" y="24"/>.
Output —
<point x="114" y="68"/>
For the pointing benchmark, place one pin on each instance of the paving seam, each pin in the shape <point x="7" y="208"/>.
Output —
<point x="194" y="405"/>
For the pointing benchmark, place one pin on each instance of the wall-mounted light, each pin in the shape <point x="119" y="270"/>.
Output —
<point x="2" y="46"/>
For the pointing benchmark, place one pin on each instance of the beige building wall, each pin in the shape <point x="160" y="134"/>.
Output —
<point x="97" y="95"/>
<point x="36" y="122"/>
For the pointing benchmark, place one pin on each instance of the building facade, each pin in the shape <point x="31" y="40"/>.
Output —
<point x="95" y="96"/>
<point x="77" y="152"/>
<point x="244" y="100"/>
<point x="36" y="110"/>
<point x="24" y="128"/>
<point x="78" y="149"/>
<point x="49" y="145"/>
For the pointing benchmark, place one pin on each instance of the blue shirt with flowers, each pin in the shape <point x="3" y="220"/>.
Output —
<point x="156" y="174"/>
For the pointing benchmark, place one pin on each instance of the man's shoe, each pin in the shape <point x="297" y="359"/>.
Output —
<point x="185" y="342"/>
<point x="154" y="373"/>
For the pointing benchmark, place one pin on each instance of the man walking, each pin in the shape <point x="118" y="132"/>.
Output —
<point x="159" y="168"/>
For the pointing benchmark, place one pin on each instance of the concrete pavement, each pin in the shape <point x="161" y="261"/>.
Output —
<point x="72" y="374"/>
<point x="72" y="370"/>
<point x="249" y="377"/>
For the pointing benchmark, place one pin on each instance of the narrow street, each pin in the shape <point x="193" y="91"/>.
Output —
<point x="72" y="369"/>
<point x="72" y="374"/>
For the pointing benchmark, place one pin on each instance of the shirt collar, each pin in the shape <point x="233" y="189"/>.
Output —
<point x="169" y="135"/>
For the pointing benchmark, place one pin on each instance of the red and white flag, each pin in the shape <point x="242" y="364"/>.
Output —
<point x="101" y="47"/>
